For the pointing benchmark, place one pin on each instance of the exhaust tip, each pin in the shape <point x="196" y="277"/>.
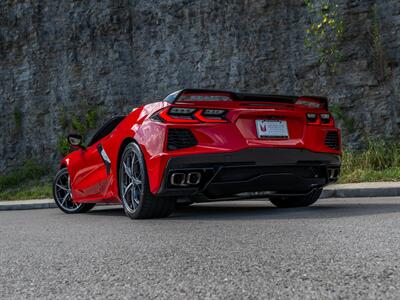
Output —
<point x="178" y="179"/>
<point x="183" y="179"/>
<point x="193" y="178"/>
<point x="333" y="174"/>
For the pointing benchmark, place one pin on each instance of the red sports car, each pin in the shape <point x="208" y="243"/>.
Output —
<point x="204" y="145"/>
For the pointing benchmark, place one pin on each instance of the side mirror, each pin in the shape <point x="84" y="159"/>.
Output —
<point x="75" y="140"/>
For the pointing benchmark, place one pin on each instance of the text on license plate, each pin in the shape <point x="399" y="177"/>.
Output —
<point x="272" y="129"/>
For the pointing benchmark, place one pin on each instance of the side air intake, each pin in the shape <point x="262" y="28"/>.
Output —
<point x="332" y="140"/>
<point x="179" y="138"/>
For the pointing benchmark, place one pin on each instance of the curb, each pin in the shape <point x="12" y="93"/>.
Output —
<point x="360" y="193"/>
<point x="350" y="190"/>
<point x="27" y="204"/>
<point x="359" y="190"/>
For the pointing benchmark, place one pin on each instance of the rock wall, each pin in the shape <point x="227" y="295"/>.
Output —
<point x="60" y="60"/>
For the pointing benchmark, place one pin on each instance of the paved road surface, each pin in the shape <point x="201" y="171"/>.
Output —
<point x="335" y="249"/>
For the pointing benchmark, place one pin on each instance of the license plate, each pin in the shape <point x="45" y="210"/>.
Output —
<point x="272" y="129"/>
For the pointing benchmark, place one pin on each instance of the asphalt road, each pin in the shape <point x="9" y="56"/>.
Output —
<point x="336" y="249"/>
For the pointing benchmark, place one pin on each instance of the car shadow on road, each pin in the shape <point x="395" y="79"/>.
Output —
<point x="263" y="210"/>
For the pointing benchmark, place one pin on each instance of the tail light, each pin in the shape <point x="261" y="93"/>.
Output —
<point x="190" y="115"/>
<point x="325" y="118"/>
<point x="178" y="115"/>
<point x="320" y="119"/>
<point x="211" y="115"/>
<point x="312" y="118"/>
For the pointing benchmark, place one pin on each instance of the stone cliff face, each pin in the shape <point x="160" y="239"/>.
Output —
<point x="65" y="64"/>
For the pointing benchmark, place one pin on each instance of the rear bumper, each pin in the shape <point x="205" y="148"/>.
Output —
<point x="271" y="170"/>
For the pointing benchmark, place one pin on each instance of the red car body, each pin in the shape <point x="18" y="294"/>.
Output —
<point x="216" y="136"/>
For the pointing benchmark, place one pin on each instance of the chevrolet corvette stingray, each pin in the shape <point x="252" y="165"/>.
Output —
<point x="204" y="145"/>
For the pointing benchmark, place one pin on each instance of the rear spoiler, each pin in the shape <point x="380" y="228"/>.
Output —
<point x="174" y="97"/>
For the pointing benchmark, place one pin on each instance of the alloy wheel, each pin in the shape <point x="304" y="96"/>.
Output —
<point x="63" y="196"/>
<point x="131" y="181"/>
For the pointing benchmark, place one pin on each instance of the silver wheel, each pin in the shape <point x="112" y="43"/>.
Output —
<point x="134" y="188"/>
<point x="131" y="180"/>
<point x="62" y="193"/>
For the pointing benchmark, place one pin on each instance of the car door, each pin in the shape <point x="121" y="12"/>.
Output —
<point x="92" y="176"/>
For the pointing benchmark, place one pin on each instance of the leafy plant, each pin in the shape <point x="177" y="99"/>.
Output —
<point x="78" y="125"/>
<point x="91" y="118"/>
<point x="324" y="31"/>
<point x="82" y="124"/>
<point x="63" y="146"/>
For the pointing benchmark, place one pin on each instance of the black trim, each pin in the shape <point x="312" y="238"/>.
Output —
<point x="282" y="171"/>
<point x="106" y="160"/>
<point x="257" y="156"/>
<point x="179" y="138"/>
<point x="332" y="139"/>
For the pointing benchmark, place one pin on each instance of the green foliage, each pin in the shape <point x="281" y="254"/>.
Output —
<point x="91" y="118"/>
<point x="30" y="181"/>
<point x="346" y="121"/>
<point x="77" y="123"/>
<point x="325" y="30"/>
<point x="63" y="146"/>
<point x="17" y="120"/>
<point x="30" y="170"/>
<point x="379" y="161"/>
<point x="86" y="122"/>
<point x="376" y="48"/>
<point x="63" y="121"/>
<point x="32" y="190"/>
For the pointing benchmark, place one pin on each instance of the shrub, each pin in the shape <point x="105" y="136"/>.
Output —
<point x="379" y="161"/>
<point x="30" y="170"/>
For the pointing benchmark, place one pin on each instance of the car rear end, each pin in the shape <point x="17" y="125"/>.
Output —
<point x="219" y="145"/>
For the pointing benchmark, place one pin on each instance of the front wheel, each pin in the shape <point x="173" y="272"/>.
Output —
<point x="63" y="197"/>
<point x="302" y="201"/>
<point x="137" y="200"/>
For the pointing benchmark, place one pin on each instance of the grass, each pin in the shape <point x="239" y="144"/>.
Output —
<point x="379" y="161"/>
<point x="31" y="181"/>
<point x="34" y="190"/>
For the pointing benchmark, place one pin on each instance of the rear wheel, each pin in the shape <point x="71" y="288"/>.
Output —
<point x="63" y="197"/>
<point x="137" y="200"/>
<point x="302" y="201"/>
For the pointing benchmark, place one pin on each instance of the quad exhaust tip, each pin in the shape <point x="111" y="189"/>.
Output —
<point x="185" y="179"/>
<point x="333" y="173"/>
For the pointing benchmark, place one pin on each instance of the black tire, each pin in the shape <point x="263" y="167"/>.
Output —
<point x="140" y="203"/>
<point x="302" y="201"/>
<point x="61" y="190"/>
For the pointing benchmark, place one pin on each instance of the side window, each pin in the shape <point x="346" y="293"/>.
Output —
<point x="106" y="129"/>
